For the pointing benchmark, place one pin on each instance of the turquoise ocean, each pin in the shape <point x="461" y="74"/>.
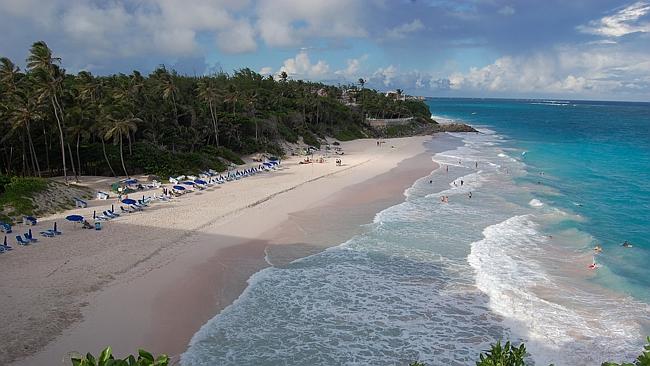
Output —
<point x="438" y="282"/>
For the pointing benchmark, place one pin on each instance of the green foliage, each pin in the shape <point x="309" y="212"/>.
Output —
<point x="106" y="359"/>
<point x="18" y="192"/>
<point x="4" y="180"/>
<point x="350" y="133"/>
<point x="152" y="159"/>
<point x="642" y="360"/>
<point x="225" y="153"/>
<point x="106" y="120"/>
<point x="310" y="139"/>
<point x="506" y="355"/>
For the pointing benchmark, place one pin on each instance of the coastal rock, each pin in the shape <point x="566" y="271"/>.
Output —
<point x="456" y="127"/>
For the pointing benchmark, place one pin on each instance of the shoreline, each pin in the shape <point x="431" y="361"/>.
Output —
<point x="162" y="299"/>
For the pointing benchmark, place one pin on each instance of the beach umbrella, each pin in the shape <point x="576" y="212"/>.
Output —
<point x="188" y="183"/>
<point x="5" y="243"/>
<point x="128" y="201"/>
<point x="75" y="218"/>
<point x="54" y="225"/>
<point x="30" y="233"/>
<point x="180" y="188"/>
<point x="200" y="181"/>
<point x="94" y="215"/>
<point x="112" y="207"/>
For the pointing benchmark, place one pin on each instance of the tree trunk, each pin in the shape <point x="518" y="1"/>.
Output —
<point x="214" y="124"/>
<point x="47" y="151"/>
<point x="130" y="150"/>
<point x="74" y="170"/>
<point x="106" y="157"/>
<point x="59" y="124"/>
<point x="37" y="168"/>
<point x="122" y="157"/>
<point x="78" y="158"/>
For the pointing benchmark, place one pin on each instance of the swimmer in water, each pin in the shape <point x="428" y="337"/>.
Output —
<point x="626" y="244"/>
<point x="598" y="249"/>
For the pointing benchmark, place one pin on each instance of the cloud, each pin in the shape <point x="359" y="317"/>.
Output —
<point x="239" y="38"/>
<point x="403" y="30"/>
<point x="285" y="23"/>
<point x="507" y="10"/>
<point x="300" y="66"/>
<point x="266" y="70"/>
<point x="602" y="72"/>
<point x="353" y="67"/>
<point x="621" y="23"/>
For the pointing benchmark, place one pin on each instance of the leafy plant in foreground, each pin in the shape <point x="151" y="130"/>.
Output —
<point x="642" y="360"/>
<point x="508" y="355"/>
<point x="106" y="359"/>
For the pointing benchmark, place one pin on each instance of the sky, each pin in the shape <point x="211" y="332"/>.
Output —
<point x="577" y="49"/>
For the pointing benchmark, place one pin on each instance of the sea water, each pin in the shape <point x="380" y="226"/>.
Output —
<point x="439" y="281"/>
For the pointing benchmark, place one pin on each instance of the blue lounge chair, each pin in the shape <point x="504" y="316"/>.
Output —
<point x="47" y="234"/>
<point x="109" y="214"/>
<point x="6" y="246"/>
<point x="22" y="241"/>
<point x="5" y="228"/>
<point x="29" y="220"/>
<point x="80" y="203"/>
<point x="55" y="231"/>
<point x="30" y="237"/>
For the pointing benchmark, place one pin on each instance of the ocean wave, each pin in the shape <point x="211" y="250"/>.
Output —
<point x="561" y="324"/>
<point x="535" y="203"/>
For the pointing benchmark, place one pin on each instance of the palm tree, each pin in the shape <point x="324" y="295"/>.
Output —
<point x="232" y="96"/>
<point x="362" y="83"/>
<point x="209" y="94"/>
<point x="42" y="63"/>
<point x="169" y="91"/>
<point x="24" y="113"/>
<point x="120" y="128"/>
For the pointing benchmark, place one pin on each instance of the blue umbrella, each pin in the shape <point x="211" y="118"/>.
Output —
<point x="188" y="183"/>
<point x="128" y="201"/>
<point x="200" y="181"/>
<point x="75" y="218"/>
<point x="180" y="188"/>
<point x="130" y="181"/>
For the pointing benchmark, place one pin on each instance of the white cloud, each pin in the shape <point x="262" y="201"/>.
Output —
<point x="602" y="71"/>
<point x="238" y="38"/>
<point x="301" y="67"/>
<point x="403" y="30"/>
<point x="266" y="70"/>
<point x="384" y="76"/>
<point x="353" y="67"/>
<point x="623" y="22"/>
<point x="290" y="22"/>
<point x="507" y="10"/>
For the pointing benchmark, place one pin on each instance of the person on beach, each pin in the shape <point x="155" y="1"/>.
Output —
<point x="430" y="181"/>
<point x="461" y="183"/>
<point x="469" y="195"/>
<point x="447" y="167"/>
<point x="476" y="164"/>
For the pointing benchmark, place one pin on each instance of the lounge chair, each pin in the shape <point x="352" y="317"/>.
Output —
<point x="6" y="246"/>
<point x="30" y="237"/>
<point x="5" y="228"/>
<point x="22" y="241"/>
<point x="29" y="220"/>
<point x="109" y="215"/>
<point x="47" y="234"/>
<point x="80" y="203"/>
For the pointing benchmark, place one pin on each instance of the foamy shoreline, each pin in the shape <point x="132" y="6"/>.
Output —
<point x="148" y="279"/>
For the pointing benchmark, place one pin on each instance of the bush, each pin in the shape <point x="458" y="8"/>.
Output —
<point x="18" y="193"/>
<point x="229" y="155"/>
<point x="508" y="355"/>
<point x="106" y="359"/>
<point x="310" y="139"/>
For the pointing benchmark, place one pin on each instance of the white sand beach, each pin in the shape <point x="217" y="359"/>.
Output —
<point x="151" y="279"/>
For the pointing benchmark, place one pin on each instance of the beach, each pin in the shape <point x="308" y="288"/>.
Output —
<point x="152" y="279"/>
